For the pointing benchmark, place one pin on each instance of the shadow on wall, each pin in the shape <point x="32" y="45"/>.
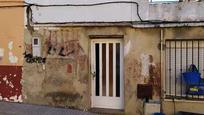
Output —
<point x="61" y="98"/>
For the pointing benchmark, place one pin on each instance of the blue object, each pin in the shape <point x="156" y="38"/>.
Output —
<point x="192" y="78"/>
<point x="158" y="113"/>
<point x="194" y="82"/>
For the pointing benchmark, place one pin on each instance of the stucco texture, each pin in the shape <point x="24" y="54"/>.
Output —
<point x="143" y="52"/>
<point x="55" y="84"/>
<point x="64" y="79"/>
<point x="11" y="50"/>
<point x="169" y="107"/>
<point x="11" y="31"/>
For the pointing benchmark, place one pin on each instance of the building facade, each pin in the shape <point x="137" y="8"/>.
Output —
<point x="11" y="49"/>
<point x="96" y="54"/>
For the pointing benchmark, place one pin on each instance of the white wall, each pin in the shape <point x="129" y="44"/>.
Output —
<point x="102" y="13"/>
<point x="175" y="11"/>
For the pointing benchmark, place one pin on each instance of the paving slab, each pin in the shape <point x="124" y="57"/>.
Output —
<point x="7" y="108"/>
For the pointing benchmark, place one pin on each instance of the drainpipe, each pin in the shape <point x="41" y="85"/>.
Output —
<point x="162" y="66"/>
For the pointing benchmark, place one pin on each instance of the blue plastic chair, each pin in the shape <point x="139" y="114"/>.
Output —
<point x="194" y="82"/>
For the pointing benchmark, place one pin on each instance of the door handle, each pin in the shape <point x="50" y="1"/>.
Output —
<point x="93" y="74"/>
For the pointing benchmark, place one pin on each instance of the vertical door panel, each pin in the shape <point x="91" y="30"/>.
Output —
<point x="103" y="69"/>
<point x="97" y="89"/>
<point x="107" y="85"/>
<point x="111" y="69"/>
<point x="117" y="69"/>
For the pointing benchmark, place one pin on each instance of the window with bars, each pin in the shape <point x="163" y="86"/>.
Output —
<point x="180" y="54"/>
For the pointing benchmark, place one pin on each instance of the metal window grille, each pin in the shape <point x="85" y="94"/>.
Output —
<point x="179" y="55"/>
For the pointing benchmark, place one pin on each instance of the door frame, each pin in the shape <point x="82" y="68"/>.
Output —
<point x="122" y="79"/>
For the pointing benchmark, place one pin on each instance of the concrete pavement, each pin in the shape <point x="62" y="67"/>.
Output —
<point x="25" y="109"/>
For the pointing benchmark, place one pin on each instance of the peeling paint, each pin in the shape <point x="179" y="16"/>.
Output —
<point x="12" y="98"/>
<point x="12" y="58"/>
<point x="155" y="78"/>
<point x="5" y="78"/>
<point x="127" y="48"/>
<point x="10" y="45"/>
<point x="10" y="87"/>
<point x="1" y="52"/>
<point x="5" y="99"/>
<point x="145" y="64"/>
<point x="16" y="98"/>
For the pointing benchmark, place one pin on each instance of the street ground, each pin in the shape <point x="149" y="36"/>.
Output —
<point x="7" y="108"/>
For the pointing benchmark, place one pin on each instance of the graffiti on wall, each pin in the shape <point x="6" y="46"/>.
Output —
<point x="29" y="58"/>
<point x="63" y="43"/>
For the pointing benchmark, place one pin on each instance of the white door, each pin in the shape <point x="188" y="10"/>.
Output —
<point x="107" y="73"/>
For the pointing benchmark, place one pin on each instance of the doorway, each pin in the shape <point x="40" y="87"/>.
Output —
<point x="107" y="73"/>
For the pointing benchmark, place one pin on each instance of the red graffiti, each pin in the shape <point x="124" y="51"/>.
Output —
<point x="69" y="68"/>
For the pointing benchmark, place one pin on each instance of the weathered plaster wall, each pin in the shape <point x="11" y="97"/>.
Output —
<point x="187" y="106"/>
<point x="183" y="105"/>
<point x="158" y="11"/>
<point x="11" y="35"/>
<point x="177" y="11"/>
<point x="184" y="33"/>
<point x="142" y="65"/>
<point x="11" y="50"/>
<point x="63" y="79"/>
<point x="57" y="85"/>
<point x="10" y="86"/>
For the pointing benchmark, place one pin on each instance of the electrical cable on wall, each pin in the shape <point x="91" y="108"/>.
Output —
<point x="93" y="4"/>
<point x="30" y="13"/>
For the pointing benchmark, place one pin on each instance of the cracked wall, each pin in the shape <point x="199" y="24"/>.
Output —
<point x="63" y="77"/>
<point x="64" y="80"/>
<point x="145" y="54"/>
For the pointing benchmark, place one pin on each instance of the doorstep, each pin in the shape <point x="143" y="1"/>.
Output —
<point x="107" y="111"/>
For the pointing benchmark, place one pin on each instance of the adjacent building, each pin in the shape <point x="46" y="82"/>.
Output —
<point x="106" y="54"/>
<point x="11" y="49"/>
